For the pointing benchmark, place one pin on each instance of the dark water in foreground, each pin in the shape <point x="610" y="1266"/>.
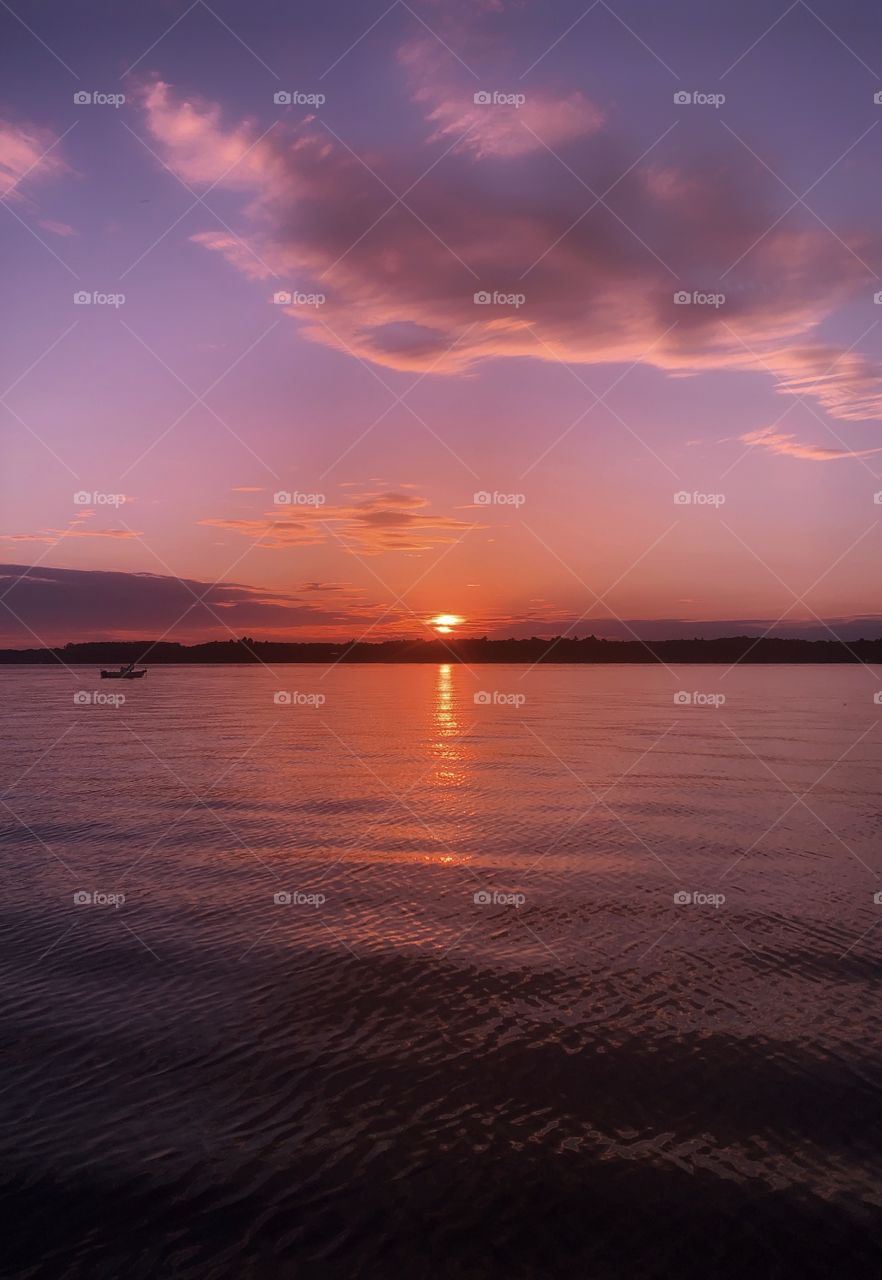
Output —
<point x="580" y="1077"/>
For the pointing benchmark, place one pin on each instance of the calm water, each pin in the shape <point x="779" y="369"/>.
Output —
<point x="570" y="1075"/>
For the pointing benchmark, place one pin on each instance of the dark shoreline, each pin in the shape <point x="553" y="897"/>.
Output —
<point x="589" y="651"/>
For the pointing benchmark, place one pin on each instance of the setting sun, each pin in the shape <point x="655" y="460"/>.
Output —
<point x="445" y="622"/>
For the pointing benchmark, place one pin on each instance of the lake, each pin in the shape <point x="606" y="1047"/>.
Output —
<point x="425" y="971"/>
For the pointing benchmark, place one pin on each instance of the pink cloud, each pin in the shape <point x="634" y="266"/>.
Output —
<point x="371" y="524"/>
<point x="505" y="122"/>
<point x="57" y="228"/>
<point x="598" y="287"/>
<point x="62" y="535"/>
<point x="780" y="442"/>
<point x="236" y="251"/>
<point x="508" y="130"/>
<point x="26" y="153"/>
<point x="848" y="384"/>
<point x="194" y="135"/>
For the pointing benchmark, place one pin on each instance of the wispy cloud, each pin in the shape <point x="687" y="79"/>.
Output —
<point x="788" y="444"/>
<point x="57" y="228"/>
<point x="373" y="523"/>
<point x="27" y="153"/>
<point x="492" y="121"/>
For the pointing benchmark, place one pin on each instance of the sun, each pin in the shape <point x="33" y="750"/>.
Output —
<point x="445" y="622"/>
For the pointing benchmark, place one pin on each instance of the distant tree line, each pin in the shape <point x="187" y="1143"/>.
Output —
<point x="559" y="649"/>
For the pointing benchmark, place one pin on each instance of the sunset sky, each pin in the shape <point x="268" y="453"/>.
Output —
<point x="384" y="399"/>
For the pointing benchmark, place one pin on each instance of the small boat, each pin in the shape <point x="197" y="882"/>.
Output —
<point x="131" y="672"/>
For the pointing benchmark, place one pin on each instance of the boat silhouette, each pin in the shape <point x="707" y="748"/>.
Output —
<point x="124" y="673"/>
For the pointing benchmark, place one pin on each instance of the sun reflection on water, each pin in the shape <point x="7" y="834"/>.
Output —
<point x="446" y="749"/>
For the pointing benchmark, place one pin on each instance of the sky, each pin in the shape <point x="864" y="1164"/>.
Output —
<point x="324" y="321"/>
